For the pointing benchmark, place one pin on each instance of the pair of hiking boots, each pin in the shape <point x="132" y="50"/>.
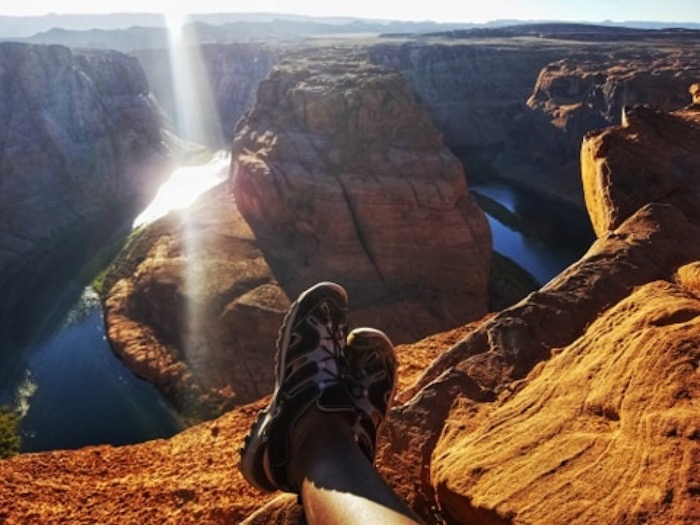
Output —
<point x="319" y="363"/>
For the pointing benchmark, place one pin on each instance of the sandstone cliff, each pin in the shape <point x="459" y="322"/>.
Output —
<point x="604" y="429"/>
<point x="573" y="96"/>
<point x="580" y="404"/>
<point x="516" y="103"/>
<point x="80" y="135"/>
<point x="193" y="307"/>
<point x="341" y="176"/>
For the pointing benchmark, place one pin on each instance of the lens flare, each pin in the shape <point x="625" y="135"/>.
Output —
<point x="196" y="120"/>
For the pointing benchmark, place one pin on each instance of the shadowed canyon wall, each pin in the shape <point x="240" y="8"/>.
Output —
<point x="223" y="79"/>
<point x="81" y="143"/>
<point x="517" y="108"/>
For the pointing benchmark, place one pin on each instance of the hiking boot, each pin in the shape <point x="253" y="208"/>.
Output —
<point x="371" y="382"/>
<point x="309" y="368"/>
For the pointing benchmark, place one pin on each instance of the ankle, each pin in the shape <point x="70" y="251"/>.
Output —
<point x="319" y="437"/>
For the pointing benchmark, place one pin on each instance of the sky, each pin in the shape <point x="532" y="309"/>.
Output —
<point x="437" y="10"/>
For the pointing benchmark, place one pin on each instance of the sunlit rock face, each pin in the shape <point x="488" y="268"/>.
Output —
<point x="343" y="177"/>
<point x="594" y="377"/>
<point x="651" y="157"/>
<point x="80" y="135"/>
<point x="193" y="307"/>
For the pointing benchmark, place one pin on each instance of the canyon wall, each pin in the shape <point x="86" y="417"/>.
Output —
<point x="517" y="108"/>
<point x="515" y="104"/>
<point x="580" y="403"/>
<point x="81" y="137"/>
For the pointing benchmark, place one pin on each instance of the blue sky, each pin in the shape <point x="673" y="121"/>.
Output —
<point x="459" y="10"/>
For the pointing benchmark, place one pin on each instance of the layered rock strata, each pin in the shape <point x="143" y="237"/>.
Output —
<point x="652" y="157"/>
<point x="81" y="136"/>
<point x="343" y="177"/>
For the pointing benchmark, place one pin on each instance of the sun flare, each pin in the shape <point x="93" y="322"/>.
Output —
<point x="184" y="186"/>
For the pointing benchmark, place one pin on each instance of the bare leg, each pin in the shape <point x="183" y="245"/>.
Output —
<point x="338" y="484"/>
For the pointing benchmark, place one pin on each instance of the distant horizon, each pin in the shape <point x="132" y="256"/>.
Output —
<point x="594" y="11"/>
<point x="361" y="18"/>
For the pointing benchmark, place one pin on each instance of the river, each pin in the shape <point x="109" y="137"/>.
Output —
<point x="60" y="372"/>
<point x="555" y="236"/>
<point x="74" y="392"/>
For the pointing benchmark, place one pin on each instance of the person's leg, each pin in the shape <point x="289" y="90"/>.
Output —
<point x="338" y="483"/>
<point x="317" y="438"/>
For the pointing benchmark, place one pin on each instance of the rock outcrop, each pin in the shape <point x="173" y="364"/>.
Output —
<point x="652" y="157"/>
<point x="81" y="137"/>
<point x="605" y="430"/>
<point x="341" y="177"/>
<point x="695" y="93"/>
<point x="573" y="96"/>
<point x="193" y="307"/>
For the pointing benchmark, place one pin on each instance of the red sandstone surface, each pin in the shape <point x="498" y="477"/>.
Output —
<point x="190" y="478"/>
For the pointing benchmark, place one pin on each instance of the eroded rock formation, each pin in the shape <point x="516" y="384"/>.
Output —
<point x="604" y="430"/>
<point x="342" y="177"/>
<point x="652" y="157"/>
<point x="194" y="308"/>
<point x="514" y="102"/>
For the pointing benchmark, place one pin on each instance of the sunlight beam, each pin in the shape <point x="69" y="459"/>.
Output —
<point x="196" y="120"/>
